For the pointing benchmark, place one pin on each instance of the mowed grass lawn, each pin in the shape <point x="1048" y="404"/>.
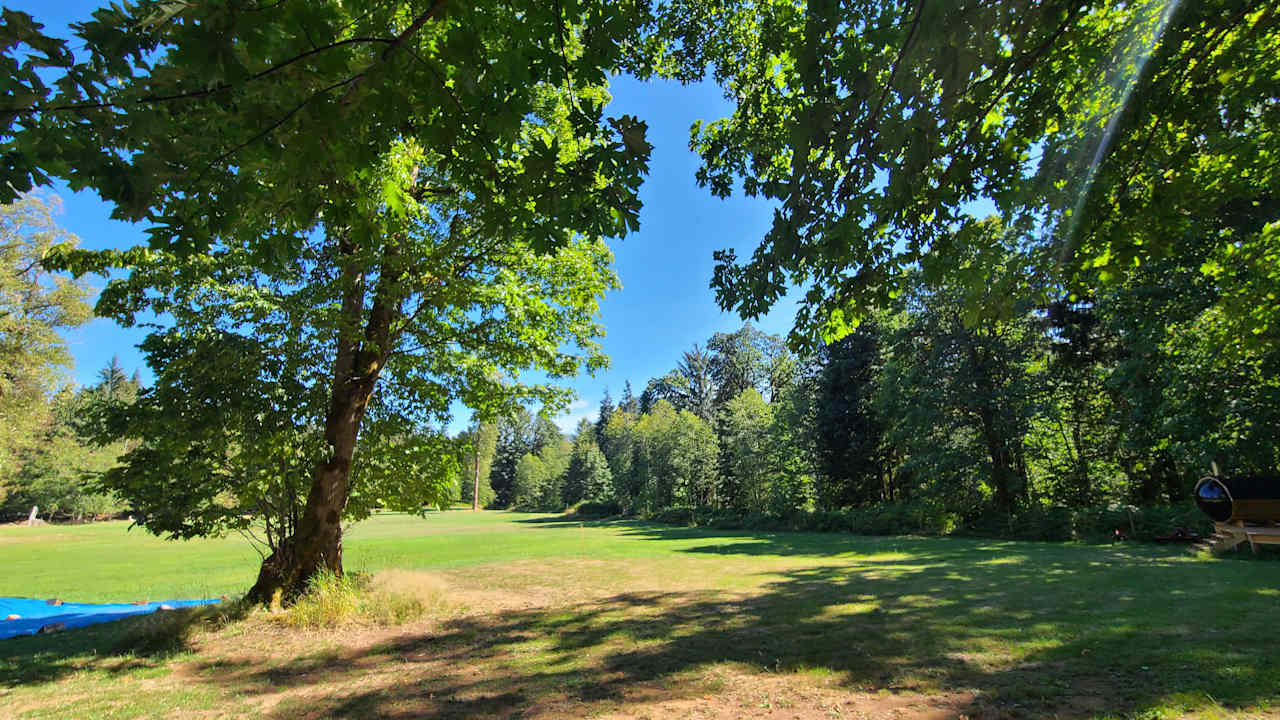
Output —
<point x="533" y="616"/>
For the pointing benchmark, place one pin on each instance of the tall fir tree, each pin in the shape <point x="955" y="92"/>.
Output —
<point x="606" y="412"/>
<point x="628" y="402"/>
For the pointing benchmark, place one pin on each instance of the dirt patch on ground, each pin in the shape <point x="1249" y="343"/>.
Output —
<point x="405" y="672"/>
<point x="532" y="651"/>
<point x="742" y="695"/>
<point x="485" y="653"/>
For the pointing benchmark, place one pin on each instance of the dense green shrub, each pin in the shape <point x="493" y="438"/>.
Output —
<point x="1041" y="523"/>
<point x="607" y="508"/>
<point x="678" y="515"/>
<point x="1091" y="524"/>
<point x="61" y="479"/>
<point x="1049" y="523"/>
<point x="1139" y="523"/>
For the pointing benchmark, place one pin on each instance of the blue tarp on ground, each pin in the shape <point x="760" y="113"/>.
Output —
<point x="35" y="614"/>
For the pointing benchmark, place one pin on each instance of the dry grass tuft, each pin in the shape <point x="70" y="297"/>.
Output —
<point x="392" y="598"/>
<point x="430" y="590"/>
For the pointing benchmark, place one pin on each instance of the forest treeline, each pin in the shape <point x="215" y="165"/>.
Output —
<point x="929" y="417"/>
<point x="1013" y="409"/>
<point x="56" y="467"/>
<point x="52" y="449"/>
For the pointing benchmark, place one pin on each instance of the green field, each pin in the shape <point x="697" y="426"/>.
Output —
<point x="547" y="618"/>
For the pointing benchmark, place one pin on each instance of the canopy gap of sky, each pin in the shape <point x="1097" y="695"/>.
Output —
<point x="665" y="305"/>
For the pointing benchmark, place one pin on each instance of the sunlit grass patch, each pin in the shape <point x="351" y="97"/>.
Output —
<point x="1006" y="560"/>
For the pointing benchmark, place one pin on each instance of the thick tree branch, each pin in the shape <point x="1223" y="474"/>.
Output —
<point x="395" y="44"/>
<point x="874" y="118"/>
<point x="203" y="92"/>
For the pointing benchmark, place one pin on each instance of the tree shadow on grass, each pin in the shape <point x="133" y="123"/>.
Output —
<point x="826" y="544"/>
<point x="117" y="647"/>
<point x="1025" y="631"/>
<point x="822" y="544"/>
<point x="571" y="519"/>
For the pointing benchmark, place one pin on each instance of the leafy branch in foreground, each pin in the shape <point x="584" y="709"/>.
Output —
<point x="1105" y="135"/>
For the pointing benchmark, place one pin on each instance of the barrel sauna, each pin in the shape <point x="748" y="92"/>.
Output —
<point x="1248" y="499"/>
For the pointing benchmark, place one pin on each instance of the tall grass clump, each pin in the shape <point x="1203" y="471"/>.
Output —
<point x="352" y="597"/>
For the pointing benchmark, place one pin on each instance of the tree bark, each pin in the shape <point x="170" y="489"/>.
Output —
<point x="1004" y="474"/>
<point x="1172" y="481"/>
<point x="1084" y="481"/>
<point x="1149" y="487"/>
<point x="475" y="491"/>
<point x="317" y="542"/>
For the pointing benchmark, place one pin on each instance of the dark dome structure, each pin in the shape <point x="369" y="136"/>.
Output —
<point x="1240" y="499"/>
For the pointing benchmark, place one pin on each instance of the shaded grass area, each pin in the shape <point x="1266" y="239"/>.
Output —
<point x="554" y="618"/>
<point x="97" y="671"/>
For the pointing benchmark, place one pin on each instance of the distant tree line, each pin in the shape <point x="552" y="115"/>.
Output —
<point x="50" y="454"/>
<point x="956" y="404"/>
<point x="58" y="471"/>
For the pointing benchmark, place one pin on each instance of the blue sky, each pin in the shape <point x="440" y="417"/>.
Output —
<point x="665" y="305"/>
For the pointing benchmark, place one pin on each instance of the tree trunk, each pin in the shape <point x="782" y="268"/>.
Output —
<point x="317" y="542"/>
<point x="1172" y="481"/>
<point x="1024" y="478"/>
<point x="1004" y="473"/>
<point x="1146" y="489"/>
<point x="1084" y="482"/>
<point x="475" y="491"/>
